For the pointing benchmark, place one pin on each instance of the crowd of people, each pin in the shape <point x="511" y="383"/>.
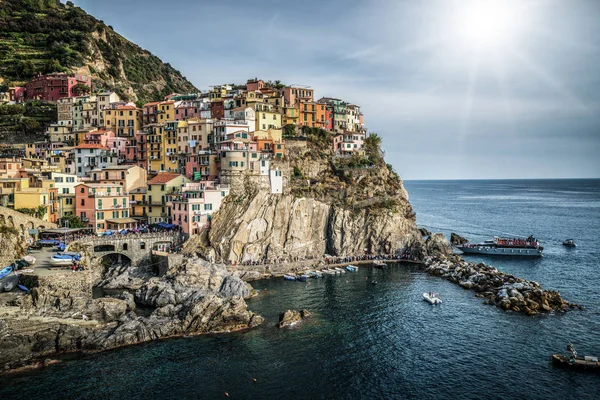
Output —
<point x="333" y="260"/>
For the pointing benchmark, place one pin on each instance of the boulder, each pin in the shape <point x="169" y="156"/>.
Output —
<point x="424" y="232"/>
<point x="437" y="245"/>
<point x="456" y="239"/>
<point x="108" y="309"/>
<point x="292" y="317"/>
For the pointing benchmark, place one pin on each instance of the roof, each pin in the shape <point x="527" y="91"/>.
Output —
<point x="122" y="221"/>
<point x="91" y="146"/>
<point x="163" y="177"/>
<point x="152" y="103"/>
<point x="115" y="167"/>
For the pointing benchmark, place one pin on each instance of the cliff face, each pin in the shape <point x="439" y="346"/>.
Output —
<point x="41" y="36"/>
<point x="335" y="206"/>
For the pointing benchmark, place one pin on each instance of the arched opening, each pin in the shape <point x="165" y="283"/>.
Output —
<point x="104" y="247"/>
<point x="142" y="245"/>
<point x="112" y="265"/>
<point x="124" y="246"/>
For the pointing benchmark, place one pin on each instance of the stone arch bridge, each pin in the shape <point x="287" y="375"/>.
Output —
<point x="136" y="247"/>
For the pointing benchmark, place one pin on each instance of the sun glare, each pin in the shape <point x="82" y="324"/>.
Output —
<point x="485" y="24"/>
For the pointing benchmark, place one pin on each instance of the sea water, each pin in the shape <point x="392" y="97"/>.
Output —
<point x="382" y="340"/>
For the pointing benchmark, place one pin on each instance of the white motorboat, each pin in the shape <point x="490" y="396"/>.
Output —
<point x="29" y="260"/>
<point x="432" y="298"/>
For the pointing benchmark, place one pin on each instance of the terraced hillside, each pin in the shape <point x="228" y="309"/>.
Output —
<point x="40" y="36"/>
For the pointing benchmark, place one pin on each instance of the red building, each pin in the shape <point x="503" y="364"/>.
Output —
<point x="17" y="94"/>
<point x="54" y="86"/>
<point x="217" y="109"/>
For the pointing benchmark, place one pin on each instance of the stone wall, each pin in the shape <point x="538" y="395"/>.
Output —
<point x="80" y="281"/>
<point x="14" y="233"/>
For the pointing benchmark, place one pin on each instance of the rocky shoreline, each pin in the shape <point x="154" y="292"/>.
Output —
<point x="61" y="316"/>
<point x="498" y="288"/>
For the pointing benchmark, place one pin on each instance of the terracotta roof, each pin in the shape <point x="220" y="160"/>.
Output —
<point x="152" y="103"/>
<point x="91" y="146"/>
<point x="163" y="177"/>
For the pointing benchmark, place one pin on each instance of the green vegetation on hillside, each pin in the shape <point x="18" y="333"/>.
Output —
<point x="41" y="36"/>
<point x="25" y="122"/>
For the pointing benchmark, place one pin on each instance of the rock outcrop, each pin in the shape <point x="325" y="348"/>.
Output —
<point x="456" y="239"/>
<point x="194" y="297"/>
<point x="292" y="317"/>
<point x="329" y="205"/>
<point x="503" y="290"/>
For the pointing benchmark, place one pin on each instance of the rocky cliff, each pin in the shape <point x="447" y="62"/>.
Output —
<point x="329" y="205"/>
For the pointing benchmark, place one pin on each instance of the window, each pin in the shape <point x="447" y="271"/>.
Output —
<point x="65" y="190"/>
<point x="207" y="207"/>
<point x="69" y="201"/>
<point x="124" y="246"/>
<point x="115" y="214"/>
<point x="100" y="215"/>
<point x="142" y="245"/>
<point x="83" y="202"/>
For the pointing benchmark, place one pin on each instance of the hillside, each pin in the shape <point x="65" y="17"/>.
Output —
<point x="41" y="36"/>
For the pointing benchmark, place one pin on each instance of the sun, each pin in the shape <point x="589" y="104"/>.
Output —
<point x="487" y="24"/>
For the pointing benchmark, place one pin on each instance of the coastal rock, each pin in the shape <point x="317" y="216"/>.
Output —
<point x="505" y="291"/>
<point x="292" y="317"/>
<point x="424" y="232"/>
<point x="437" y="245"/>
<point x="456" y="239"/>
<point x="109" y="309"/>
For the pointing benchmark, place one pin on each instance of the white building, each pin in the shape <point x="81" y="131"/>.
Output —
<point x="92" y="156"/>
<point x="276" y="180"/>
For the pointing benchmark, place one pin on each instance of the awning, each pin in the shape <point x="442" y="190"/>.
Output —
<point x="122" y="221"/>
<point x="64" y="230"/>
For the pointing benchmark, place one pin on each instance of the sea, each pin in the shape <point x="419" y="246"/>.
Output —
<point x="380" y="340"/>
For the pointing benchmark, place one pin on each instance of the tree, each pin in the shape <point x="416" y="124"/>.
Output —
<point x="81" y="89"/>
<point x="373" y="148"/>
<point x="71" y="221"/>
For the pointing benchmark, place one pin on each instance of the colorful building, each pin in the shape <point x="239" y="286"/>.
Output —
<point x="163" y="184"/>
<point x="54" y="86"/>
<point x="124" y="120"/>
<point x="103" y="206"/>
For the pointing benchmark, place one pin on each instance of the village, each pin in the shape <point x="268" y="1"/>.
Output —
<point x="110" y="166"/>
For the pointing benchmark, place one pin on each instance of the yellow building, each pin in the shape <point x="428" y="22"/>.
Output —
<point x="124" y="120"/>
<point x="155" y="146"/>
<point x="156" y="195"/>
<point x="266" y="117"/>
<point x="166" y="111"/>
<point x="291" y="116"/>
<point x="39" y="196"/>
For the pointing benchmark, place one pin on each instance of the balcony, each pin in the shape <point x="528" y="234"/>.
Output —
<point x="107" y="194"/>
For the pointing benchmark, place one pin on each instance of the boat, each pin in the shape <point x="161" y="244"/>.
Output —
<point x="48" y="242"/>
<point x="64" y="259"/>
<point x="584" y="363"/>
<point x="499" y="246"/>
<point x="61" y="246"/>
<point x="6" y="271"/>
<point x="30" y="260"/>
<point x="569" y="243"/>
<point x="351" y="268"/>
<point x="574" y="361"/>
<point x="315" y="274"/>
<point x="379" y="264"/>
<point x="329" y="272"/>
<point x="340" y="270"/>
<point x="289" y="277"/>
<point x="23" y="288"/>
<point x="302" y="278"/>
<point x="432" y="298"/>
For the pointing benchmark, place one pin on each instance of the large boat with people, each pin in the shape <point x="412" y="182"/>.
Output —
<point x="500" y="246"/>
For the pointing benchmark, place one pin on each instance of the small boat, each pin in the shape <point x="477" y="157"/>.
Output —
<point x="61" y="247"/>
<point x="23" y="288"/>
<point x="340" y="270"/>
<point x="569" y="243"/>
<point x="64" y="259"/>
<point x="289" y="277"/>
<point x="30" y="260"/>
<point x="302" y="278"/>
<point x="48" y="242"/>
<point x="432" y="298"/>
<point x="315" y="274"/>
<point x="329" y="272"/>
<point x="379" y="264"/>
<point x="583" y="363"/>
<point x="351" y="268"/>
<point x="6" y="271"/>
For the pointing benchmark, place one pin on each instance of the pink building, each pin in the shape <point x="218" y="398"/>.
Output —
<point x="106" y="138"/>
<point x="103" y="206"/>
<point x="54" y="86"/>
<point x="349" y="143"/>
<point x="254" y="84"/>
<point x="193" y="207"/>
<point x="17" y="94"/>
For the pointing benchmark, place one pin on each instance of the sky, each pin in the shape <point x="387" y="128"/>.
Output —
<point x="458" y="89"/>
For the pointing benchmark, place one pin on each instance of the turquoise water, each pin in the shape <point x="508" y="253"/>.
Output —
<point x="383" y="341"/>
